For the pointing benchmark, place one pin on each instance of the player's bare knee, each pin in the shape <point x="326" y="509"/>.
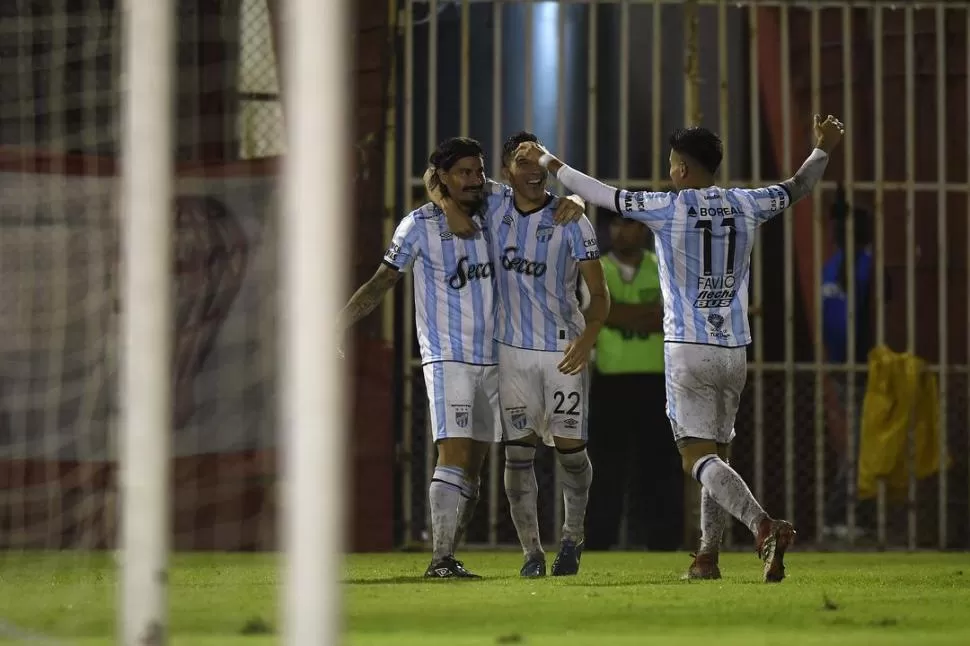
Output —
<point x="456" y="452"/>
<point x="722" y="451"/>
<point x="693" y="449"/>
<point x="478" y="452"/>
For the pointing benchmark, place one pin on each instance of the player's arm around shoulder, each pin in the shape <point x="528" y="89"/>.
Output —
<point x="569" y="209"/>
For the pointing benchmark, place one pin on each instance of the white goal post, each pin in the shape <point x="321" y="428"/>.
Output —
<point x="316" y="198"/>
<point x="146" y="398"/>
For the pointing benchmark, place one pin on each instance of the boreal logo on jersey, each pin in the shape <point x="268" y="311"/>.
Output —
<point x="511" y="261"/>
<point x="468" y="271"/>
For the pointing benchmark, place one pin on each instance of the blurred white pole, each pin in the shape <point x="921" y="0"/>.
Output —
<point x="146" y="198"/>
<point x="316" y="200"/>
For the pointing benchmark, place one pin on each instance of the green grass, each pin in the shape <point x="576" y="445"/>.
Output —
<point x="618" y="598"/>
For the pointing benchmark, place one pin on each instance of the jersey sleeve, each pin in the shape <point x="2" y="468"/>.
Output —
<point x="581" y="237"/>
<point x="652" y="209"/>
<point x="404" y="246"/>
<point x="766" y="202"/>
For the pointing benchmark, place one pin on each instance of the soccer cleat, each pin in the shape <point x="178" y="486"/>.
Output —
<point x="774" y="538"/>
<point x="535" y="566"/>
<point x="448" y="568"/>
<point x="567" y="560"/>
<point x="703" y="567"/>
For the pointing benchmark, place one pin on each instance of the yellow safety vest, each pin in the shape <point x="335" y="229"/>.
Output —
<point x="620" y="352"/>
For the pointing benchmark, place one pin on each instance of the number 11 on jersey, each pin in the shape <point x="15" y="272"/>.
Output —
<point x="708" y="234"/>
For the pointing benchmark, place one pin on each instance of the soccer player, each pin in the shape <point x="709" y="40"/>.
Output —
<point x="454" y="296"/>
<point x="544" y="345"/>
<point x="705" y="235"/>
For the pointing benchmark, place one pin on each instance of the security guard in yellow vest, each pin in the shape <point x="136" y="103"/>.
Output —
<point x="639" y="466"/>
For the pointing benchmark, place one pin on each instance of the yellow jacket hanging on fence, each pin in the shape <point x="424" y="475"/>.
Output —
<point x="899" y="395"/>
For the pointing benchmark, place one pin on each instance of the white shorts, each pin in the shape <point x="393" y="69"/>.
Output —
<point x="704" y="384"/>
<point x="463" y="401"/>
<point x="537" y="398"/>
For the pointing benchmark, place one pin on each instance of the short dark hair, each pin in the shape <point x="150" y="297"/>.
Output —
<point x="452" y="149"/>
<point x="513" y="142"/>
<point x="700" y="144"/>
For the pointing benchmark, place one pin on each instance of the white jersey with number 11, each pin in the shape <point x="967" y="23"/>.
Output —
<point x="704" y="240"/>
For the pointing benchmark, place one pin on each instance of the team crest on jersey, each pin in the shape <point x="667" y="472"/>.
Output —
<point x="717" y="322"/>
<point x="461" y="418"/>
<point x="518" y="419"/>
<point x="544" y="233"/>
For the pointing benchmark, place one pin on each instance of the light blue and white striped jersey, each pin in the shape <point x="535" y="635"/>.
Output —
<point x="536" y="272"/>
<point x="703" y="243"/>
<point x="454" y="287"/>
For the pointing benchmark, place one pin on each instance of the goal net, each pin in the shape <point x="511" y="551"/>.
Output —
<point x="60" y="290"/>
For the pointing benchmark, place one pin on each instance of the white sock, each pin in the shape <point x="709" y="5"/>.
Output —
<point x="714" y="520"/>
<point x="523" y="495"/>
<point x="447" y="485"/>
<point x="577" y="475"/>
<point x="729" y="491"/>
<point x="466" y="510"/>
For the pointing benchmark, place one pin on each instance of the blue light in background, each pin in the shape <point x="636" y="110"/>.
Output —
<point x="545" y="70"/>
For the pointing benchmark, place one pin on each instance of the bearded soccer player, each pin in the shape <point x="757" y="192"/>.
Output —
<point x="704" y="235"/>
<point x="454" y="301"/>
<point x="544" y="342"/>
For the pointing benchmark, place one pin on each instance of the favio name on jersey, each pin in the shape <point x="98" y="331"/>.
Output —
<point x="468" y="271"/>
<point x="715" y="291"/>
<point x="513" y="262"/>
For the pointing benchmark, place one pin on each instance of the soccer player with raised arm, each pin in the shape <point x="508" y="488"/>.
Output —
<point x="454" y="302"/>
<point x="544" y="342"/>
<point x="704" y="236"/>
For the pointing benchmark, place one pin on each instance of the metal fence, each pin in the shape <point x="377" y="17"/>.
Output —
<point x="602" y="82"/>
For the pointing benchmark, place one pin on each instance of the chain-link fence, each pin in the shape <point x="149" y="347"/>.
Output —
<point x="260" y="108"/>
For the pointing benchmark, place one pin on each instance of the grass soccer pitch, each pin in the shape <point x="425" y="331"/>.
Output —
<point x="623" y="598"/>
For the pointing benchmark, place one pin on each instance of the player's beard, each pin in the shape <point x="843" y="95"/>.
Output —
<point x="472" y="201"/>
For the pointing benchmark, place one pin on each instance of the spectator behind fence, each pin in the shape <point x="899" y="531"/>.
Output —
<point x="835" y="326"/>
<point x="640" y="464"/>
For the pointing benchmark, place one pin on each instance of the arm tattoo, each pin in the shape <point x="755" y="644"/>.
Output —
<point x="368" y="297"/>
<point x="808" y="175"/>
